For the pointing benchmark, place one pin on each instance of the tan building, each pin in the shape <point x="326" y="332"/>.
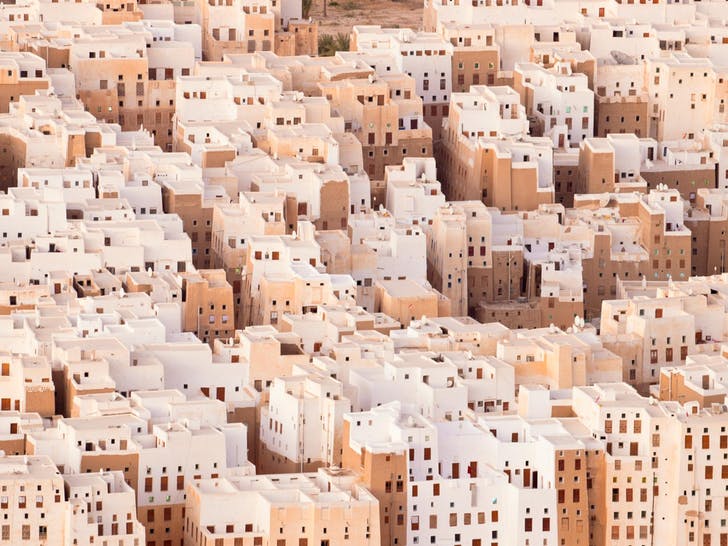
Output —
<point x="509" y="175"/>
<point x="83" y="369"/>
<point x="281" y="275"/>
<point x="573" y="476"/>
<point x="558" y="44"/>
<point x="383" y="248"/>
<point x="386" y="115"/>
<point x="327" y="507"/>
<point x="500" y="268"/>
<point x="475" y="256"/>
<point x="596" y="167"/>
<point x="475" y="57"/>
<point x="378" y="468"/>
<point x="301" y="38"/>
<point x="156" y="458"/>
<point x="558" y="101"/>
<point x="194" y="201"/>
<point x="616" y="163"/>
<point x="405" y="300"/>
<point x="446" y="257"/>
<point x="686" y="166"/>
<point x="707" y="220"/>
<point x="118" y="11"/>
<point x="566" y="176"/>
<point x="625" y="420"/>
<point x="331" y="323"/>
<point x="649" y="240"/>
<point x="648" y="335"/>
<point x="701" y="380"/>
<point x="208" y="306"/>
<point x="96" y="451"/>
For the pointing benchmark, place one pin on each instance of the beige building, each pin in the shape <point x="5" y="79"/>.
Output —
<point x="475" y="255"/>
<point x="13" y="427"/>
<point x="267" y="352"/>
<point x="27" y="385"/>
<point x="236" y="26"/>
<point x="559" y="360"/>
<point x="35" y="134"/>
<point x="327" y="507"/>
<point x="102" y="506"/>
<point x="385" y="114"/>
<point x="676" y="85"/>
<point x="558" y="100"/>
<point x="301" y="426"/>
<point x="648" y="335"/>
<point x="121" y="78"/>
<point x="23" y="73"/>
<point x="426" y="56"/>
<point x="118" y="12"/>
<point x="684" y="165"/>
<point x="622" y="104"/>
<point x="447" y="269"/>
<point x="504" y="267"/>
<point x="486" y="153"/>
<point x="281" y="275"/>
<point x="331" y="324"/>
<point x="255" y="213"/>
<point x="154" y="454"/>
<point x="32" y="495"/>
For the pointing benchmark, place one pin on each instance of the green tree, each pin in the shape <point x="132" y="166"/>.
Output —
<point x="329" y="44"/>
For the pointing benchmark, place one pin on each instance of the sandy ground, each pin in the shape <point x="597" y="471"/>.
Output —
<point x="346" y="13"/>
